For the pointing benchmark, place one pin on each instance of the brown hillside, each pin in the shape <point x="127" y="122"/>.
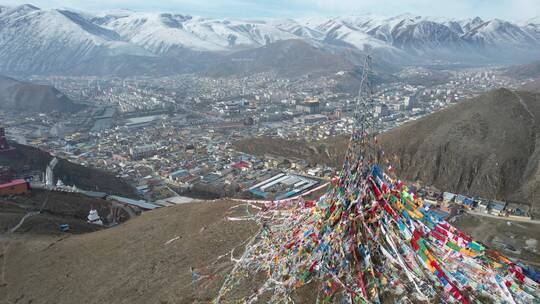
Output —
<point x="58" y="208"/>
<point x="30" y="158"/>
<point x="533" y="86"/>
<point x="488" y="146"/>
<point x="530" y="70"/>
<point x="291" y="58"/>
<point x="133" y="263"/>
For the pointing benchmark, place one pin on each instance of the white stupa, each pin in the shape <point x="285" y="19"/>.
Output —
<point x="93" y="217"/>
<point x="59" y="183"/>
<point x="49" y="173"/>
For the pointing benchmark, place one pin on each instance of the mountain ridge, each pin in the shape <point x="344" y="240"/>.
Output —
<point x="44" y="41"/>
<point x="525" y="71"/>
<point x="27" y="97"/>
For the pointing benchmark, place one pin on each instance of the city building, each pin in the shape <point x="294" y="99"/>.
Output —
<point x="282" y="186"/>
<point x="497" y="207"/>
<point x="460" y="199"/>
<point x="309" y="107"/>
<point x="242" y="165"/>
<point x="310" y="119"/>
<point x="231" y="108"/>
<point x="518" y="211"/>
<point x="448" y="197"/>
<point x="144" y="151"/>
<point x="382" y="110"/>
<point x="178" y="174"/>
<point x="483" y="206"/>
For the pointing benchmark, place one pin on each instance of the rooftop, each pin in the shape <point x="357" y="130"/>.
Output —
<point x="13" y="183"/>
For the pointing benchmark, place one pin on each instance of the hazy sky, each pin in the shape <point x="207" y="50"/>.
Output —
<point x="506" y="9"/>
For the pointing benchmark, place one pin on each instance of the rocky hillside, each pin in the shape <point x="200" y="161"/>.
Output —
<point x="488" y="146"/>
<point x="26" y="97"/>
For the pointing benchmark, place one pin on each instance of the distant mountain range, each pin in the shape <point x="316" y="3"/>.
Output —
<point x="288" y="58"/>
<point x="34" y="40"/>
<point x="26" y="97"/>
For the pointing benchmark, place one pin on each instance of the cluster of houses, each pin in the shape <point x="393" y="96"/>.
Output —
<point x="492" y="207"/>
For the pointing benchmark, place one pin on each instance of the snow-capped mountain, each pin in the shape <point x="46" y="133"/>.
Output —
<point x="498" y="32"/>
<point x="424" y="34"/>
<point x="54" y="40"/>
<point x="160" y="32"/>
<point x="38" y="40"/>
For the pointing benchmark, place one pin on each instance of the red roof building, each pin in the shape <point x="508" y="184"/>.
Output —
<point x="15" y="187"/>
<point x="241" y="165"/>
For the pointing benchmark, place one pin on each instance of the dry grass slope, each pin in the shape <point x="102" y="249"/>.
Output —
<point x="133" y="263"/>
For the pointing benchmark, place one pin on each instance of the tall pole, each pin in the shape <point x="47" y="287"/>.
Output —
<point x="364" y="126"/>
<point x="364" y="101"/>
